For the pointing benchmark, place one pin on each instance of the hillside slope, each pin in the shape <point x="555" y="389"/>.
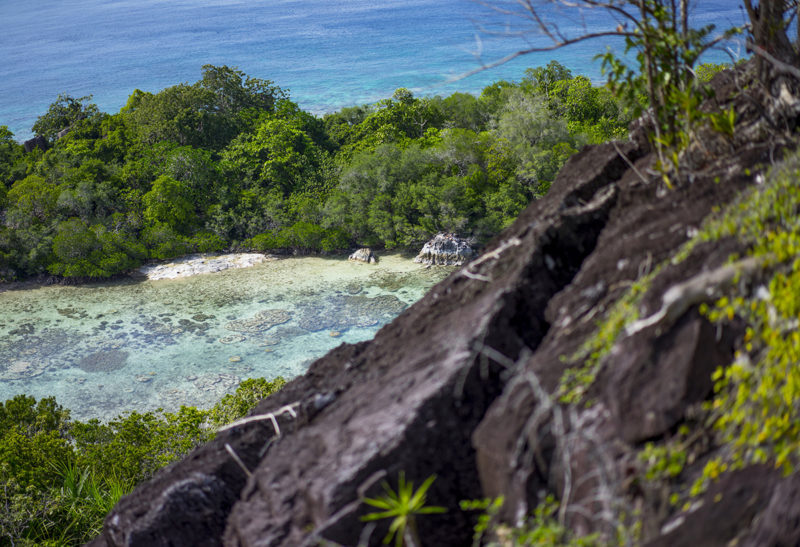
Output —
<point x="473" y="383"/>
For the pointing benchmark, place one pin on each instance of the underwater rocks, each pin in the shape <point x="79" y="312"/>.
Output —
<point x="445" y="250"/>
<point x="232" y="339"/>
<point x="399" y="282"/>
<point x="18" y="370"/>
<point x="260" y="322"/>
<point x="200" y="264"/>
<point x="220" y="384"/>
<point x="72" y="313"/>
<point x="364" y="254"/>
<point x="104" y="361"/>
<point x="342" y="312"/>
<point x="205" y="391"/>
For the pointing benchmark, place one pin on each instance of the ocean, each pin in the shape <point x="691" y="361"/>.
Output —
<point x="327" y="53"/>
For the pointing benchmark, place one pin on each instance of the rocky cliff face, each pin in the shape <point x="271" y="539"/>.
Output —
<point x="472" y="383"/>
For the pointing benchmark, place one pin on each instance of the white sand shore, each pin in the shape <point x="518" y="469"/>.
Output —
<point x="201" y="264"/>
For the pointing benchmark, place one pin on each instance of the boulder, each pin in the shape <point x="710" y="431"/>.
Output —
<point x="445" y="250"/>
<point x="407" y="401"/>
<point x="36" y="142"/>
<point x="365" y="255"/>
<point x="466" y="385"/>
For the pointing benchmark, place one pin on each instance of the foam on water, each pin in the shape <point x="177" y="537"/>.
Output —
<point x="108" y="348"/>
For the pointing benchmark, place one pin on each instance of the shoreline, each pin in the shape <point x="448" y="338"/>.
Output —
<point x="140" y="273"/>
<point x="172" y="268"/>
<point x="198" y="264"/>
<point x="96" y="346"/>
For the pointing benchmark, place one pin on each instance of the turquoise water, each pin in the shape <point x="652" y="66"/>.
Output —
<point x="328" y="53"/>
<point x="139" y="345"/>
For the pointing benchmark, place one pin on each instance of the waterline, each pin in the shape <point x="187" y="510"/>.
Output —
<point x="139" y="345"/>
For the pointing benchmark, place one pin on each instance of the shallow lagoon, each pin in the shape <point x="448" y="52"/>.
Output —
<point x="103" y="349"/>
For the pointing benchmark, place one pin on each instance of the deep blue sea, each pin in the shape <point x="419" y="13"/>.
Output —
<point x="327" y="53"/>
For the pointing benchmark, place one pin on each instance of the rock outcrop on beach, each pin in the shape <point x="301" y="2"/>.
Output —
<point x="468" y="384"/>
<point x="445" y="250"/>
<point x="365" y="255"/>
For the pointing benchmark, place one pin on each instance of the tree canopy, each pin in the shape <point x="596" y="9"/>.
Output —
<point x="231" y="162"/>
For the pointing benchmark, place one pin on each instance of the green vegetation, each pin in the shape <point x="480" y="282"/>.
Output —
<point x="663" y="78"/>
<point x="231" y="162"/>
<point x="402" y="506"/>
<point x="754" y="408"/>
<point x="59" y="478"/>
<point x="540" y="528"/>
<point x="753" y="411"/>
<point x="755" y="402"/>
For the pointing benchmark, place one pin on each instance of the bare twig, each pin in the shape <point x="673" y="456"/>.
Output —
<point x="700" y="288"/>
<point x="491" y="255"/>
<point x="629" y="162"/>
<point x="238" y="460"/>
<point x="271" y="416"/>
<point x="776" y="63"/>
<point x="521" y="52"/>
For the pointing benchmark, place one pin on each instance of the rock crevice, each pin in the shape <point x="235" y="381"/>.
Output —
<point x="466" y="384"/>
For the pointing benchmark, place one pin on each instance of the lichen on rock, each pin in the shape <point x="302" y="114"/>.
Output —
<point x="445" y="250"/>
<point x="365" y="255"/>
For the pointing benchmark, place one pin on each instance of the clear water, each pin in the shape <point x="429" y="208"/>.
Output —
<point x="138" y="345"/>
<point x="328" y="53"/>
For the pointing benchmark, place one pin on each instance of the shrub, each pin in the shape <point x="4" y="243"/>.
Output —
<point x="248" y="394"/>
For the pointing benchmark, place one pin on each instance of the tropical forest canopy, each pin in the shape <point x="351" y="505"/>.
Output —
<point x="230" y="162"/>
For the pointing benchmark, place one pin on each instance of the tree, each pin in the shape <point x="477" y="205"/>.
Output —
<point x="235" y="91"/>
<point x="208" y="113"/>
<point x="277" y="154"/>
<point x="170" y="202"/>
<point x="83" y="251"/>
<point x="12" y="166"/>
<point x="31" y="200"/>
<point x="770" y="22"/>
<point x="65" y="112"/>
<point x="534" y="136"/>
<point x="542" y="79"/>
<point x="464" y="110"/>
<point x="667" y="48"/>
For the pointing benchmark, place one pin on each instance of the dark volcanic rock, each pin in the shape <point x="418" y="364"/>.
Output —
<point x="646" y="385"/>
<point x="779" y="522"/>
<point x="656" y="378"/>
<point x="728" y="506"/>
<point x="464" y="385"/>
<point x="392" y="405"/>
<point x="36" y="142"/>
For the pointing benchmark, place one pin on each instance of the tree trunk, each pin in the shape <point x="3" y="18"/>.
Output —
<point x="769" y="33"/>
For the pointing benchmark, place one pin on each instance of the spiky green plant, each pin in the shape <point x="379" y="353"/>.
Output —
<point x="402" y="506"/>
